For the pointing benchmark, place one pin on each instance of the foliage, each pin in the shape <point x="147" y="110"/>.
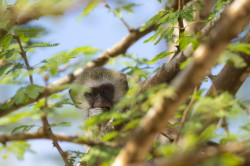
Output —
<point x="202" y="115"/>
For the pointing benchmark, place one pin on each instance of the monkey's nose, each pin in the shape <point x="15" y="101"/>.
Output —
<point x="103" y="105"/>
<point x="106" y="108"/>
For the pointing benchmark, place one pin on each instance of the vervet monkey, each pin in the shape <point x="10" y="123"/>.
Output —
<point x="106" y="86"/>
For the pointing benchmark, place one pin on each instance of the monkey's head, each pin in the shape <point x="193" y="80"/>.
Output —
<point x="107" y="87"/>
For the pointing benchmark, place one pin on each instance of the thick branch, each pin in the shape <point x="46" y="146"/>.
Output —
<point x="21" y="14"/>
<point x="231" y="78"/>
<point x="120" y="48"/>
<point x="230" y="24"/>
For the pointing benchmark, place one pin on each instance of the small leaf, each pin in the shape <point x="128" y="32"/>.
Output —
<point x="41" y="44"/>
<point x="5" y="41"/>
<point x="187" y="14"/>
<point x="21" y="96"/>
<point x="60" y="124"/>
<point x="30" y="32"/>
<point x="235" y="60"/>
<point x="240" y="47"/>
<point x="23" y="128"/>
<point x="89" y="7"/>
<point x="87" y="50"/>
<point x="4" y="68"/>
<point x="19" y="148"/>
<point x="109" y="136"/>
<point x="60" y="58"/>
<point x="62" y="102"/>
<point x="160" y="56"/>
<point x="9" y="53"/>
<point x="185" y="63"/>
<point x="33" y="91"/>
<point x="127" y="8"/>
<point x="154" y="19"/>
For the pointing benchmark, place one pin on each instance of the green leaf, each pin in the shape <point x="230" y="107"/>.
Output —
<point x="5" y="42"/>
<point x="4" y="68"/>
<point x="19" y="148"/>
<point x="33" y="91"/>
<point x="187" y="14"/>
<point x="152" y="38"/>
<point x="128" y="8"/>
<point x="246" y="127"/>
<point x="21" y="96"/>
<point x="62" y="102"/>
<point x="89" y="7"/>
<point x="87" y="50"/>
<point x="185" y="63"/>
<point x="9" y="53"/>
<point x="60" y="124"/>
<point x="160" y="56"/>
<point x="235" y="60"/>
<point x="41" y="44"/>
<point x="23" y="128"/>
<point x="17" y="116"/>
<point x="240" y="47"/>
<point x="154" y="19"/>
<point x="60" y="58"/>
<point x="172" y="17"/>
<point x="109" y="136"/>
<point x="30" y="32"/>
<point x="169" y="32"/>
<point x="17" y="67"/>
<point x="185" y="40"/>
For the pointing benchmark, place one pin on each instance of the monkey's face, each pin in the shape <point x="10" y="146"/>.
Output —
<point x="100" y="99"/>
<point x="106" y="87"/>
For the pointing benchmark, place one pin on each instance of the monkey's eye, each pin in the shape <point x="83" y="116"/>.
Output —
<point x="107" y="90"/>
<point x="90" y="95"/>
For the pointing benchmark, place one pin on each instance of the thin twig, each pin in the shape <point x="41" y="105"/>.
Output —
<point x="59" y="137"/>
<point x="185" y="113"/>
<point x="180" y="20"/>
<point x="47" y="129"/>
<point x="224" y="125"/>
<point x="24" y="56"/>
<point x="213" y="87"/>
<point x="122" y="20"/>
<point x="214" y="91"/>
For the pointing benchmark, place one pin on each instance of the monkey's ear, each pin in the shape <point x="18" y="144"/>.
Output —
<point x="124" y="76"/>
<point x="125" y="81"/>
<point x="72" y="95"/>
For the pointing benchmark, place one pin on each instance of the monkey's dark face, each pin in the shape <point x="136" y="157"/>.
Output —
<point x="101" y="97"/>
<point x="107" y="87"/>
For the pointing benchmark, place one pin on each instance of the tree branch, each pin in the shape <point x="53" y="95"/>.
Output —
<point x="122" y="20"/>
<point x="41" y="135"/>
<point x="231" y="78"/>
<point x="24" y="56"/>
<point x="180" y="20"/>
<point x="21" y="14"/>
<point x="200" y="155"/>
<point x="231" y="22"/>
